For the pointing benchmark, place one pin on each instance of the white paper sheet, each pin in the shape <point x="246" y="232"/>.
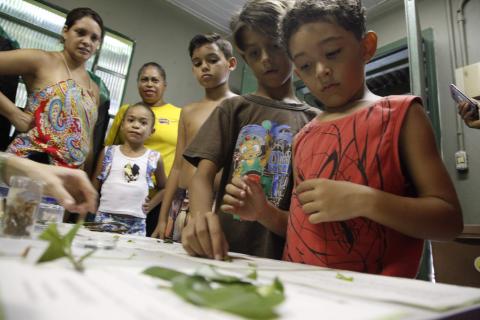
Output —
<point x="434" y="296"/>
<point x="113" y="286"/>
<point x="53" y="292"/>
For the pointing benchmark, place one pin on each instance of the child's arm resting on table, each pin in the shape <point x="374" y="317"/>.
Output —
<point x="203" y="235"/>
<point x="245" y="198"/>
<point x="434" y="214"/>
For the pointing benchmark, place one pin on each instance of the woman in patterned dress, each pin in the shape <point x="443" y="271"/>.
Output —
<point x="57" y="123"/>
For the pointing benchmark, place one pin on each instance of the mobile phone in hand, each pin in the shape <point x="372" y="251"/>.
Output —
<point x="459" y="97"/>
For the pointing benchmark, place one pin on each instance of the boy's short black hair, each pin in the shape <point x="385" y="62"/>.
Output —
<point x="141" y="104"/>
<point x="260" y="15"/>
<point x="155" y="65"/>
<point x="211" y="38"/>
<point x="349" y="14"/>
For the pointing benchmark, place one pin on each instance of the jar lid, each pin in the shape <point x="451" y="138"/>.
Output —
<point x="49" y="200"/>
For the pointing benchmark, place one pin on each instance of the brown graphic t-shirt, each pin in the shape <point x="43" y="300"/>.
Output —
<point x="252" y="135"/>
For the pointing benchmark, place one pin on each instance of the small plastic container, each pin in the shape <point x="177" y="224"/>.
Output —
<point x="22" y="202"/>
<point x="48" y="213"/>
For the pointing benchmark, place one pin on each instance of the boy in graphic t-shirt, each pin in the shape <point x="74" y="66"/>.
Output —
<point x="248" y="136"/>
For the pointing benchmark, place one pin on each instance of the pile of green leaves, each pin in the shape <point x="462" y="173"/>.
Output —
<point x="211" y="289"/>
<point x="61" y="246"/>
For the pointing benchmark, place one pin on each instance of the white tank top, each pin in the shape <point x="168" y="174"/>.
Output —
<point x="125" y="188"/>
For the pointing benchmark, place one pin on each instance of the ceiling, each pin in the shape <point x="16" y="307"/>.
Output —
<point x="218" y="12"/>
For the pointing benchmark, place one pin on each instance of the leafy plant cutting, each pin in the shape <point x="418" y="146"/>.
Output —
<point x="61" y="246"/>
<point x="211" y="289"/>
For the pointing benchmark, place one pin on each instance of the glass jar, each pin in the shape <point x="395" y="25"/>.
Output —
<point x="22" y="202"/>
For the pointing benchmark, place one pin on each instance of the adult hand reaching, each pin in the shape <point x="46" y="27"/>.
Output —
<point x="70" y="187"/>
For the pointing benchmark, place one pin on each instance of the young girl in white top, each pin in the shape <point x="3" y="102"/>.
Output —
<point x="124" y="175"/>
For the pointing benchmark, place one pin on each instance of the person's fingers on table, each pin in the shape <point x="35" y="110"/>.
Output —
<point x="216" y="235"/>
<point x="225" y="247"/>
<point x="189" y="240"/>
<point x="202" y="232"/>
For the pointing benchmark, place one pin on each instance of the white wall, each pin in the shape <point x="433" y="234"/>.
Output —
<point x="432" y="14"/>
<point x="162" y="33"/>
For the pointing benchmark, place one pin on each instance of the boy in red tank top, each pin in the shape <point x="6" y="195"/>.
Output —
<point x="369" y="182"/>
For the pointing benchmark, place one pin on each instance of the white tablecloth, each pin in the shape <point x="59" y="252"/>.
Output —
<point x="112" y="286"/>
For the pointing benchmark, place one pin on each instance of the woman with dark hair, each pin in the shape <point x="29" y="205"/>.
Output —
<point x="57" y="123"/>
<point x="152" y="83"/>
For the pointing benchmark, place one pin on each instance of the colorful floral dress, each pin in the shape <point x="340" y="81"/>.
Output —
<point x="65" y="116"/>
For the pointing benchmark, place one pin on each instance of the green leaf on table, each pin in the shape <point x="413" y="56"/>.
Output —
<point x="211" y="274"/>
<point x="273" y="294"/>
<point x="55" y="249"/>
<point x="253" y="275"/>
<point x="211" y="289"/>
<point x="162" y="273"/>
<point x="60" y="246"/>
<point x="343" y="277"/>
<point x="231" y="298"/>
<point x="68" y="238"/>
<point x="85" y="256"/>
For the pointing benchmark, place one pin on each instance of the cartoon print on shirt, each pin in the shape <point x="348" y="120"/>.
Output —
<point x="265" y="151"/>
<point x="130" y="172"/>
<point x="251" y="150"/>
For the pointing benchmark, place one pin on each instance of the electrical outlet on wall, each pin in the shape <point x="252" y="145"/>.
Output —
<point x="461" y="162"/>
